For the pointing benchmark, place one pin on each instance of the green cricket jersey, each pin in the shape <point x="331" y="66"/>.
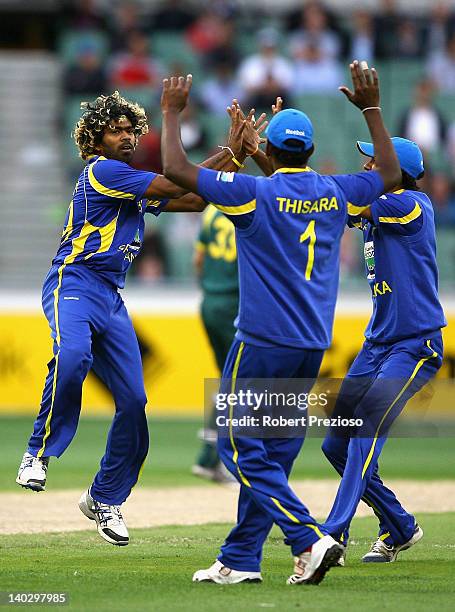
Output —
<point x="217" y="240"/>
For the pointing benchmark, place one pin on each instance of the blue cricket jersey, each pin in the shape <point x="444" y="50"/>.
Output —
<point x="288" y="232"/>
<point x="104" y="226"/>
<point x="400" y="262"/>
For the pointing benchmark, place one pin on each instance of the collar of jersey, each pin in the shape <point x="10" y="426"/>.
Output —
<point x="95" y="158"/>
<point x="292" y="170"/>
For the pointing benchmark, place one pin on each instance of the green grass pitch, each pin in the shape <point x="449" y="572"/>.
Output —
<point x="154" y="572"/>
<point x="174" y="446"/>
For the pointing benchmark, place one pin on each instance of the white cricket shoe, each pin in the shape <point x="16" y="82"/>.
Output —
<point x="381" y="552"/>
<point x="109" y="520"/>
<point x="313" y="566"/>
<point x="32" y="472"/>
<point x="220" y="574"/>
<point x="301" y="562"/>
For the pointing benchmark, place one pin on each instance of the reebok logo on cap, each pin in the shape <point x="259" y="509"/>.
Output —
<point x="289" y="126"/>
<point x="295" y="132"/>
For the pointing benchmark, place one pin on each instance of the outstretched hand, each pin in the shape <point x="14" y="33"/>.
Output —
<point x="366" y="86"/>
<point x="175" y="93"/>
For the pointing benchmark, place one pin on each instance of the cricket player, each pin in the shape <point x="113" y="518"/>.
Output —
<point x="215" y="262"/>
<point x="288" y="232"/>
<point x="402" y="350"/>
<point x="103" y="233"/>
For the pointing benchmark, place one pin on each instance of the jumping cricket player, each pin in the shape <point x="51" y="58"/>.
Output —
<point x="90" y="326"/>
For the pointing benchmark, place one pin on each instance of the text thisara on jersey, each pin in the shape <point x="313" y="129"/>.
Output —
<point x="291" y="205"/>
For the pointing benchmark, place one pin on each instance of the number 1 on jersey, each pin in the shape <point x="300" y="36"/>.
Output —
<point x="310" y="235"/>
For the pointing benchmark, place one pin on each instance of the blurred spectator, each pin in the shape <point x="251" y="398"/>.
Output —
<point x="219" y="89"/>
<point x="314" y="73"/>
<point x="82" y="15"/>
<point x="362" y="37"/>
<point x="386" y="25"/>
<point x="442" y="196"/>
<point x="315" y="33"/>
<point x="148" y="152"/>
<point x="440" y="27"/>
<point x="192" y="133"/>
<point x="134" y="67"/>
<point x="86" y="75"/>
<point x="210" y="33"/>
<point x="151" y="264"/>
<point x="174" y="15"/>
<point x="422" y="122"/>
<point x="125" y="20"/>
<point x="265" y="75"/>
<point x="409" y="40"/>
<point x="441" y="67"/>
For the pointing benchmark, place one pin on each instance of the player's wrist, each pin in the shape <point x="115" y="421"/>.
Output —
<point x="370" y="108"/>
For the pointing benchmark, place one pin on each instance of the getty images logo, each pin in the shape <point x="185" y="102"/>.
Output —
<point x="295" y="132"/>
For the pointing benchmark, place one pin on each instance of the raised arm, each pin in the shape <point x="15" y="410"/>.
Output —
<point x="228" y="159"/>
<point x="176" y="166"/>
<point x="366" y="98"/>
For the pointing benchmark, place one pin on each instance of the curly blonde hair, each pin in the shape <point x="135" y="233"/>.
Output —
<point x="89" y="130"/>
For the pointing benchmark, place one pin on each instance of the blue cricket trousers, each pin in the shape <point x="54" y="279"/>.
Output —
<point x="381" y="380"/>
<point x="262" y="466"/>
<point x="91" y="329"/>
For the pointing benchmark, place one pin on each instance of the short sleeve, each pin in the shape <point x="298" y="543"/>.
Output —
<point x="117" y="180"/>
<point x="232" y="193"/>
<point x="399" y="212"/>
<point x="155" y="207"/>
<point x="360" y="189"/>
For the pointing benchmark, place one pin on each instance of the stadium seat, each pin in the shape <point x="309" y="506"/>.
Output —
<point x="172" y="49"/>
<point x="70" y="44"/>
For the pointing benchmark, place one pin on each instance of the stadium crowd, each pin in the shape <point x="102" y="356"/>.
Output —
<point x="253" y="56"/>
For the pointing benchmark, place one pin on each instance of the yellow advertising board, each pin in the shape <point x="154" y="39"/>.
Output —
<point x="176" y="358"/>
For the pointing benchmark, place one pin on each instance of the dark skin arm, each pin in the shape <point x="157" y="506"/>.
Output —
<point x="366" y="95"/>
<point x="162" y="187"/>
<point x="176" y="166"/>
<point x="187" y="203"/>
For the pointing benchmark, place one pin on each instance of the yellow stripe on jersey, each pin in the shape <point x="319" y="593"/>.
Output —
<point x="354" y="210"/>
<point x="292" y="170"/>
<point x="236" y="210"/>
<point x="107" y="234"/>
<point x="97" y="186"/>
<point x="414" y="214"/>
<point x="69" y="226"/>
<point x="153" y="203"/>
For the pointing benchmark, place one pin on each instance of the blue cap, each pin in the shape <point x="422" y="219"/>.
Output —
<point x="290" y="124"/>
<point x="408" y="153"/>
